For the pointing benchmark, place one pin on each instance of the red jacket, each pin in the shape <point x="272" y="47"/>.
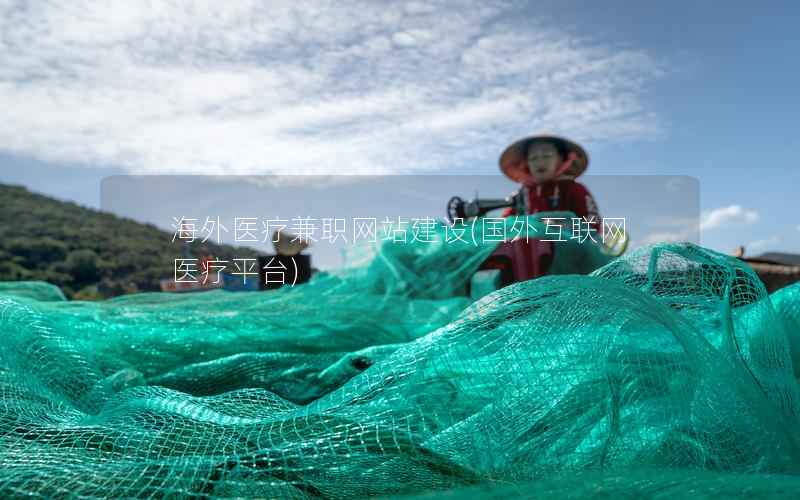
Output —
<point x="561" y="195"/>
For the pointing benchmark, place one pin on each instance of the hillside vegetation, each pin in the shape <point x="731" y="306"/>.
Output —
<point x="88" y="253"/>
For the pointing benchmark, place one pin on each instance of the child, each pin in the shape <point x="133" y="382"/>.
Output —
<point x="547" y="166"/>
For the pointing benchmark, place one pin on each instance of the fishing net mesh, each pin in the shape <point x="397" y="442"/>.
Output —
<point x="664" y="372"/>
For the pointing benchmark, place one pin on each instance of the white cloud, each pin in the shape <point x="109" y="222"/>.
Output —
<point x="732" y="215"/>
<point x="761" y="245"/>
<point x="419" y="8"/>
<point x="331" y="87"/>
<point x="404" y="39"/>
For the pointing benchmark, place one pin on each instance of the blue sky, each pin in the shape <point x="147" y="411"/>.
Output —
<point x="90" y="89"/>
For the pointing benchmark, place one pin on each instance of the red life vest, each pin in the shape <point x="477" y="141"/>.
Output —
<point x="564" y="195"/>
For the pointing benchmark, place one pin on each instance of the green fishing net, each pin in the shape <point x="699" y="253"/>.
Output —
<point x="666" y="372"/>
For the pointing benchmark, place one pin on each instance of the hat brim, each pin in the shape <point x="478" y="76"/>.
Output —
<point x="514" y="160"/>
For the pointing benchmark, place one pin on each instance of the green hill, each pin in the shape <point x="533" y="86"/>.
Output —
<point x="88" y="253"/>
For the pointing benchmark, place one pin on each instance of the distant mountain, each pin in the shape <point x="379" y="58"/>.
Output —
<point x="786" y="259"/>
<point x="88" y="253"/>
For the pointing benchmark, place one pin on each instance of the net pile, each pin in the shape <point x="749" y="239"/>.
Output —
<point x="663" y="373"/>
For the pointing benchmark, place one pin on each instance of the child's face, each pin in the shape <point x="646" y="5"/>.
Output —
<point x="543" y="160"/>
